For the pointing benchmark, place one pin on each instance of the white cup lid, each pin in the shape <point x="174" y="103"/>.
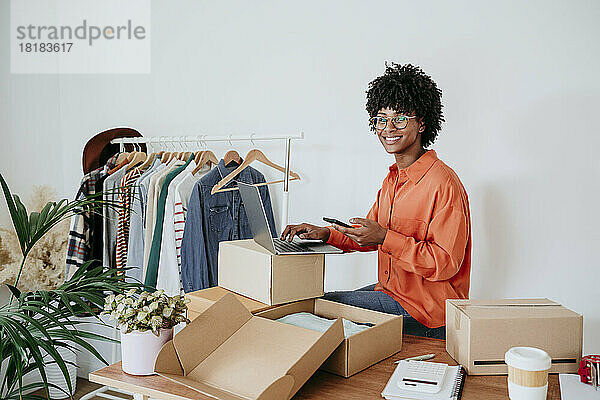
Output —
<point x="528" y="358"/>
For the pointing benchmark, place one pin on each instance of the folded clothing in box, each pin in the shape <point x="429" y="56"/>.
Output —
<point x="316" y="323"/>
<point x="358" y="351"/>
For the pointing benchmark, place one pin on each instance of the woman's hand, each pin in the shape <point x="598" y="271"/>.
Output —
<point x="369" y="233"/>
<point x="305" y="231"/>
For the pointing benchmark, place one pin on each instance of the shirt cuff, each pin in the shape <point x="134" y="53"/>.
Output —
<point x="335" y="238"/>
<point x="394" y="243"/>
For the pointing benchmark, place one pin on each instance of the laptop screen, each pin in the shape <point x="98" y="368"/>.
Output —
<point x="257" y="218"/>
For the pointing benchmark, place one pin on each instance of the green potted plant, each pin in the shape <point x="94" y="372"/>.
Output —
<point x="146" y="321"/>
<point x="35" y="324"/>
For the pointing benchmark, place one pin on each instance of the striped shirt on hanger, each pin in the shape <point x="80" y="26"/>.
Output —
<point x="124" y="214"/>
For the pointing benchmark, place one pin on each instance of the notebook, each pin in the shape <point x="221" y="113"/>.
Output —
<point x="452" y="386"/>
<point x="571" y="388"/>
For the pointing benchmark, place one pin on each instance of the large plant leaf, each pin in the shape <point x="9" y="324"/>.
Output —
<point x="22" y="212"/>
<point x="79" y="335"/>
<point x="44" y="214"/>
<point x="31" y="396"/>
<point x="19" y="222"/>
<point x="16" y="292"/>
<point x="18" y="354"/>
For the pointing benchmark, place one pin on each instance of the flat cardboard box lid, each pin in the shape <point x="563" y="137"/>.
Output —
<point x="513" y="308"/>
<point x="230" y="354"/>
<point x="248" y="244"/>
<point x="207" y="297"/>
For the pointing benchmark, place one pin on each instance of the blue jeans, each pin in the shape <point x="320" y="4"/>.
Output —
<point x="375" y="300"/>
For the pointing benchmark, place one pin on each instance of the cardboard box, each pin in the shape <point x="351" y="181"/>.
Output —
<point x="248" y="269"/>
<point x="479" y="332"/>
<point x="358" y="351"/>
<point x="227" y="353"/>
<point x="200" y="300"/>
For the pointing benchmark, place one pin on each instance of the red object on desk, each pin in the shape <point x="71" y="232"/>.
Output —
<point x="585" y="367"/>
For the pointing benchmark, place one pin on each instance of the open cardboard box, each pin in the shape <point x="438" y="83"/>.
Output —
<point x="479" y="332"/>
<point x="358" y="351"/>
<point x="250" y="270"/>
<point x="200" y="300"/>
<point x="228" y="353"/>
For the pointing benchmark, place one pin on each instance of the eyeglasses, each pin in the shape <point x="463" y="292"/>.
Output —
<point x="399" y="122"/>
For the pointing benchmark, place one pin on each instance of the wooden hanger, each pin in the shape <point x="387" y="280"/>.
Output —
<point x="207" y="157"/>
<point x="198" y="156"/>
<point x="149" y="160"/>
<point x="136" y="158"/>
<point x="175" y="156"/>
<point x="118" y="167"/>
<point x="232" y="155"/>
<point x="125" y="154"/>
<point x="122" y="157"/>
<point x="253" y="155"/>
<point x="122" y="160"/>
<point x="168" y="157"/>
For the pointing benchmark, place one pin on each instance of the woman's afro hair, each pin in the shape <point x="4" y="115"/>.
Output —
<point x="406" y="88"/>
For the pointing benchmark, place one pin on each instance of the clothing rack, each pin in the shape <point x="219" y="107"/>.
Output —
<point x="201" y="141"/>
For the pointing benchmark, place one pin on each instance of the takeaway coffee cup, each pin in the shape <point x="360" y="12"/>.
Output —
<point x="527" y="373"/>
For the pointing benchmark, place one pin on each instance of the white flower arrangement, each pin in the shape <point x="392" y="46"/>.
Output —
<point x="144" y="311"/>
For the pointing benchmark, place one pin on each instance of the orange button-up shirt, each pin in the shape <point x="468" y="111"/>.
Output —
<point x="426" y="255"/>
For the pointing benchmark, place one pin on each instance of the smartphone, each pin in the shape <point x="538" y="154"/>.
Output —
<point x="337" y="222"/>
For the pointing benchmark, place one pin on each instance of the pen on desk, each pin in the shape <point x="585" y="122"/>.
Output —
<point x="418" y="358"/>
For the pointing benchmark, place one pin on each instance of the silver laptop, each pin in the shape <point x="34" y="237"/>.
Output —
<point x="262" y="235"/>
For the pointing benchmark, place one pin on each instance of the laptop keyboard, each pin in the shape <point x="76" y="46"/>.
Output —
<point x="283" y="246"/>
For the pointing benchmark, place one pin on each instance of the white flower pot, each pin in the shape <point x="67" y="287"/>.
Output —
<point x="55" y="376"/>
<point x="140" y="349"/>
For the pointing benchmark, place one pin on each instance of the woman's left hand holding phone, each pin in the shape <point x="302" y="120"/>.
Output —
<point x="369" y="233"/>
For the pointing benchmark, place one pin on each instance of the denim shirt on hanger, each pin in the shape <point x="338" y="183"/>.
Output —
<point x="212" y="219"/>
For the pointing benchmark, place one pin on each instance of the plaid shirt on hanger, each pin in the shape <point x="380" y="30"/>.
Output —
<point x="78" y="245"/>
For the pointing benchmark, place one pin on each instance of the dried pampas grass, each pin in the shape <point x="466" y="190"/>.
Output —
<point x="45" y="265"/>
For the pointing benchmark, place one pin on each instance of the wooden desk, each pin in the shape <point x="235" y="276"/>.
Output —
<point x="367" y="384"/>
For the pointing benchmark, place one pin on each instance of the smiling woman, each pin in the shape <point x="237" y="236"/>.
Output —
<point x="420" y="224"/>
<point x="402" y="135"/>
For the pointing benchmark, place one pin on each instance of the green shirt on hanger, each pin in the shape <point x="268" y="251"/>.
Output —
<point x="154" y="258"/>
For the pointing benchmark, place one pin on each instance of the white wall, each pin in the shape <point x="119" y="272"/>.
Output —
<point x="520" y="99"/>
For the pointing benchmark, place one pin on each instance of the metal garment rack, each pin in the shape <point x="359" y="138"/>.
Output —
<point x="201" y="140"/>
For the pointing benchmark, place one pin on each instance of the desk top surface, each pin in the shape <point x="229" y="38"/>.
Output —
<point x="367" y="384"/>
